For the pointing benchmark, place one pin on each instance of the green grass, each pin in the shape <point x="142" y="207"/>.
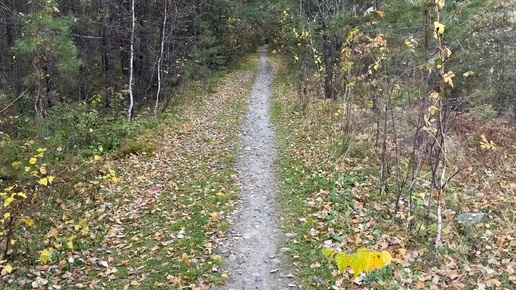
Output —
<point x="191" y="168"/>
<point x="329" y="185"/>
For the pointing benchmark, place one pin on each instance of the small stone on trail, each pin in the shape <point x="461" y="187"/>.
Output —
<point x="258" y="277"/>
<point x="290" y="235"/>
<point x="284" y="250"/>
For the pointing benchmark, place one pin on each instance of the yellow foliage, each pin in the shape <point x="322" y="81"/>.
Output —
<point x="8" y="268"/>
<point x="43" y="181"/>
<point x="432" y="110"/>
<point x="364" y="260"/>
<point x="468" y="73"/>
<point x="33" y="160"/>
<point x="447" y="77"/>
<point x="434" y="95"/>
<point x="45" y="255"/>
<point x="439" y="3"/>
<point x="9" y="200"/>
<point x="438" y="29"/>
<point x="485" y="144"/>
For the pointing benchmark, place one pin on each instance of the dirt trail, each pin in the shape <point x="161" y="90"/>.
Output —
<point x="251" y="249"/>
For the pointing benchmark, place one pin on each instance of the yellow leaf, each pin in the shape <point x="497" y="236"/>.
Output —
<point x="51" y="178"/>
<point x="83" y="223"/>
<point x="432" y="110"/>
<point x="468" y="73"/>
<point x="27" y="168"/>
<point x="7" y="215"/>
<point x="29" y="222"/>
<point x="45" y="255"/>
<point x="43" y="170"/>
<point x="365" y="258"/>
<point x="434" y="95"/>
<point x="214" y="216"/>
<point x="447" y="52"/>
<point x="16" y="164"/>
<point x="438" y="29"/>
<point x="376" y="261"/>
<point x="114" y="179"/>
<point x="43" y="181"/>
<point x="386" y="258"/>
<point x="3" y="193"/>
<point x="447" y="77"/>
<point x="96" y="158"/>
<point x="70" y="245"/>
<point x="327" y="252"/>
<point x="439" y="3"/>
<point x="224" y="275"/>
<point x="342" y="261"/>
<point x="8" y="268"/>
<point x="135" y="283"/>
<point x="356" y="264"/>
<point x="33" y="160"/>
<point x="41" y="150"/>
<point x="8" y="201"/>
<point x="185" y="259"/>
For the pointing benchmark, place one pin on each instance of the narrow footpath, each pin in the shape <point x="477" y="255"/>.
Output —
<point x="251" y="249"/>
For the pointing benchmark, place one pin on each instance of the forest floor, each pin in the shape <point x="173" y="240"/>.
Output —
<point x="242" y="189"/>
<point x="197" y="211"/>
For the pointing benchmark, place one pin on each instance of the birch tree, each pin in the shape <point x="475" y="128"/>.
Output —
<point x="131" y="65"/>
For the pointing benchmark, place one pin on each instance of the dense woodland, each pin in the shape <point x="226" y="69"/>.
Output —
<point x="83" y="79"/>
<point x="57" y="53"/>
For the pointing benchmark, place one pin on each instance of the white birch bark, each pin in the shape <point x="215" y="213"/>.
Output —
<point x="131" y="66"/>
<point x="156" y="105"/>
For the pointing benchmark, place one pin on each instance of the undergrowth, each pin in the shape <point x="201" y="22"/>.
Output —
<point x="329" y="192"/>
<point x="139" y="204"/>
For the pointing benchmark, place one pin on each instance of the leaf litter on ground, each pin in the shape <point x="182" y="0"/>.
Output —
<point x="157" y="217"/>
<point x="330" y="199"/>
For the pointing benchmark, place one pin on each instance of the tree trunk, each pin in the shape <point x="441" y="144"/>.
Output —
<point x="107" y="34"/>
<point x="329" y="91"/>
<point x="160" y="57"/>
<point x="131" y="66"/>
<point x="12" y="35"/>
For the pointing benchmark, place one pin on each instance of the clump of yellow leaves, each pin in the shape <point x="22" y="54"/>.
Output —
<point x="486" y="144"/>
<point x="363" y="260"/>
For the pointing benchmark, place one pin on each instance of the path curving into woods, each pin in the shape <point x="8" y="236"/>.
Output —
<point x="252" y="260"/>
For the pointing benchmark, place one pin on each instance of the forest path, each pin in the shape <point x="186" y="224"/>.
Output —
<point x="251" y="249"/>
